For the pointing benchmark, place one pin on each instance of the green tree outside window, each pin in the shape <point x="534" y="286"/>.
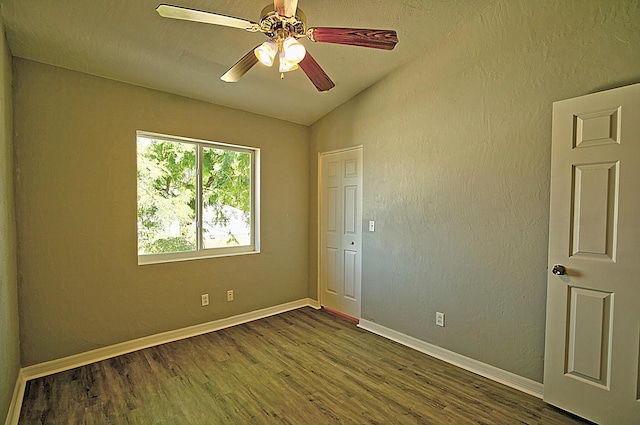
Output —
<point x="188" y="191"/>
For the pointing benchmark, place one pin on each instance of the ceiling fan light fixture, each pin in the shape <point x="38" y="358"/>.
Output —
<point x="266" y="52"/>
<point x="293" y="51"/>
<point x="286" y="65"/>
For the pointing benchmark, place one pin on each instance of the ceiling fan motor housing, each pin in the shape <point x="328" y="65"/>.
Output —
<point x="281" y="27"/>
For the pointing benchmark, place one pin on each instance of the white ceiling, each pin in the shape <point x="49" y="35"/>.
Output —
<point x="128" y="41"/>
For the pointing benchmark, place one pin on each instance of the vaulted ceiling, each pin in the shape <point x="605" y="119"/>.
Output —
<point x="128" y="41"/>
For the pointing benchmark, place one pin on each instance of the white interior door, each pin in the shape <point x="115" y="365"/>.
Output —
<point x="592" y="361"/>
<point x="341" y="231"/>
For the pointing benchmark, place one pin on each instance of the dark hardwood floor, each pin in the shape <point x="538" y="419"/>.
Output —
<point x="300" y="367"/>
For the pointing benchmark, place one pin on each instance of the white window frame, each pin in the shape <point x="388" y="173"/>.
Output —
<point x="200" y="252"/>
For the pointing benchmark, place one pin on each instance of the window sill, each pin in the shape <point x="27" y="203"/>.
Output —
<point x="144" y="260"/>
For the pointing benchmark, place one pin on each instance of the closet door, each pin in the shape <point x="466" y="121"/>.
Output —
<point x="341" y="231"/>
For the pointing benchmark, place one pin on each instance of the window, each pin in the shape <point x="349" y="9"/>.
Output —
<point x="195" y="199"/>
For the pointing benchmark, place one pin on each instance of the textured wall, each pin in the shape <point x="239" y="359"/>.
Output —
<point x="456" y="174"/>
<point x="80" y="285"/>
<point x="9" y="337"/>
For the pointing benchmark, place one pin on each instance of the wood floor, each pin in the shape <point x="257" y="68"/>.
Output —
<point x="302" y="367"/>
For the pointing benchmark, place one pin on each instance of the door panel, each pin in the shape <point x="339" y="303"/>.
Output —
<point x="592" y="347"/>
<point x="597" y="128"/>
<point x="341" y="231"/>
<point x="333" y="213"/>
<point x="350" y="210"/>
<point x="350" y="275"/>
<point x="331" y="256"/>
<point x="595" y="206"/>
<point x="590" y="335"/>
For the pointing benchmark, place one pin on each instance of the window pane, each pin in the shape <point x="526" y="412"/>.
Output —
<point x="166" y="196"/>
<point x="226" y="198"/>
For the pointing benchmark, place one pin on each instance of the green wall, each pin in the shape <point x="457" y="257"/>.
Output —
<point x="9" y="336"/>
<point x="457" y="169"/>
<point x="80" y="285"/>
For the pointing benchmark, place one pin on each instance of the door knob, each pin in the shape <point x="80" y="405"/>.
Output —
<point x="353" y="243"/>
<point x="559" y="270"/>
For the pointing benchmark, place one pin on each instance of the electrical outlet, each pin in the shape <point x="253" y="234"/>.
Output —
<point x="205" y="299"/>
<point x="440" y="319"/>
<point x="230" y="295"/>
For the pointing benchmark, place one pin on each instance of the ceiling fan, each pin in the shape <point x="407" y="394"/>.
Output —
<point x="283" y="23"/>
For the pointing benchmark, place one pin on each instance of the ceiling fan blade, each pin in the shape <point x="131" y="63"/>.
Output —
<point x="240" y="68"/>
<point x="285" y="7"/>
<point x="185" y="14"/>
<point x="377" y="39"/>
<point x="316" y="74"/>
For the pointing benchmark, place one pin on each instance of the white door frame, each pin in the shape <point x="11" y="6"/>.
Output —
<point x="319" y="213"/>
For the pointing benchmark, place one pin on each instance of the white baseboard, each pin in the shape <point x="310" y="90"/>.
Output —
<point x="314" y="304"/>
<point x="491" y="372"/>
<point x="16" y="400"/>
<point x="81" y="359"/>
